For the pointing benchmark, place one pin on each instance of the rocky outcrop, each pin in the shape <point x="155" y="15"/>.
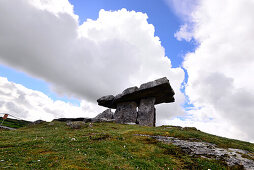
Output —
<point x="75" y="125"/>
<point x="107" y="114"/>
<point x="144" y="97"/>
<point x="73" y="119"/>
<point x="37" y="122"/>
<point x="207" y="150"/>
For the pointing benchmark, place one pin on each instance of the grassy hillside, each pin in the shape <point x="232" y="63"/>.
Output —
<point x="104" y="146"/>
<point x="14" y="123"/>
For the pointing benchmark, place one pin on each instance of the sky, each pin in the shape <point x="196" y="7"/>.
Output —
<point x="57" y="57"/>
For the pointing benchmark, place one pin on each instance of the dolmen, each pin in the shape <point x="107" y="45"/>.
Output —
<point x="136" y="105"/>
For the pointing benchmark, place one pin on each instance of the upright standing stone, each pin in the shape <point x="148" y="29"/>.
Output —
<point x="126" y="112"/>
<point x="146" y="112"/>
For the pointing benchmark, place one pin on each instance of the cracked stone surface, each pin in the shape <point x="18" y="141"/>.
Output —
<point x="126" y="112"/>
<point x="146" y="112"/>
<point x="208" y="150"/>
<point x="107" y="114"/>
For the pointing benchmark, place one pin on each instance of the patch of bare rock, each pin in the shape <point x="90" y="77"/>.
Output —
<point x="106" y="116"/>
<point x="208" y="150"/>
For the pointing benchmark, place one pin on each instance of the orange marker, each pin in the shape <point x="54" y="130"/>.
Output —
<point x="5" y="116"/>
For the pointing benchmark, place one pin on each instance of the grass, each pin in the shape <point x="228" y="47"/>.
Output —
<point x="14" y="123"/>
<point x="104" y="146"/>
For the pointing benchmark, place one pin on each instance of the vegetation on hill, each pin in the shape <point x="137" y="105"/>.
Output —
<point x="104" y="146"/>
<point x="14" y="123"/>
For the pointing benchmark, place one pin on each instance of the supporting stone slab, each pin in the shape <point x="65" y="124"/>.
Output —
<point x="126" y="112"/>
<point x="146" y="112"/>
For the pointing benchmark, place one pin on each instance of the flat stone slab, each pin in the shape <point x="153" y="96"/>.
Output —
<point x="126" y="112"/>
<point x="160" y="89"/>
<point x="146" y="112"/>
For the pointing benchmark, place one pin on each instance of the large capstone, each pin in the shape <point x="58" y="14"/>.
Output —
<point x="126" y="112"/>
<point x="159" y="89"/>
<point x="146" y="112"/>
<point x="106" y="100"/>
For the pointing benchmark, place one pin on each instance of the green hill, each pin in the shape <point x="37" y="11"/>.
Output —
<point x="14" y="123"/>
<point x="55" y="145"/>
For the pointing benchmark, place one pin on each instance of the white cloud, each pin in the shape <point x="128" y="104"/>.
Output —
<point x="221" y="68"/>
<point x="44" y="39"/>
<point x="183" y="8"/>
<point x="184" y="33"/>
<point x="53" y="6"/>
<point x="28" y="104"/>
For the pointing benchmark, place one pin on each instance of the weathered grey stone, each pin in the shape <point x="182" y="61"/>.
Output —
<point x="126" y="112"/>
<point x="73" y="119"/>
<point x="107" y="114"/>
<point x="154" y="83"/>
<point x="231" y="156"/>
<point x="75" y="125"/>
<point x="107" y="120"/>
<point x="106" y="100"/>
<point x="38" y="122"/>
<point x="160" y="89"/>
<point x="94" y="120"/>
<point x="130" y="90"/>
<point x="146" y="112"/>
<point x="146" y="96"/>
<point x="117" y="97"/>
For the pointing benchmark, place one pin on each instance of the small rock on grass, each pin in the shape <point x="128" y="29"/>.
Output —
<point x="75" y="125"/>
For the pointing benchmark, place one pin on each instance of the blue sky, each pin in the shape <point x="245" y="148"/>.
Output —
<point x="165" y="21"/>
<point x="163" y="18"/>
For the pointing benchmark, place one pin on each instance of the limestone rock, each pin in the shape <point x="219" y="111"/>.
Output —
<point x="94" y="120"/>
<point x="208" y="150"/>
<point x="160" y="89"/>
<point x="106" y="100"/>
<point x="107" y="114"/>
<point x="146" y="96"/>
<point x="73" y="119"/>
<point x="146" y="112"/>
<point x="75" y="125"/>
<point x="126" y="112"/>
<point x="130" y="90"/>
<point x="38" y="122"/>
<point x="232" y="157"/>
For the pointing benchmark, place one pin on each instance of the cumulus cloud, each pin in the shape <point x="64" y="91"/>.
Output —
<point x="221" y="68"/>
<point x="99" y="57"/>
<point x="28" y="104"/>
